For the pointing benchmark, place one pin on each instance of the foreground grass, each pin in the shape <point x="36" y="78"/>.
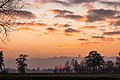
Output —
<point x="59" y="76"/>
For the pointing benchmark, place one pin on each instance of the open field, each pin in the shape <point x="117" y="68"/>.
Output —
<point x="59" y="76"/>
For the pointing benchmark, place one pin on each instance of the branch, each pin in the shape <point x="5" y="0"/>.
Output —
<point x="5" y="3"/>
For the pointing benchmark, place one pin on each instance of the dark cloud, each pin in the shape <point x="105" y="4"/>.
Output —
<point x="112" y="33"/>
<point x="103" y="12"/>
<point x="100" y="14"/>
<point x="25" y="14"/>
<point x="66" y="25"/>
<point x="44" y="1"/>
<point x="60" y="12"/>
<point x="81" y="1"/>
<point x="50" y="29"/>
<point x="62" y="25"/>
<point x="114" y="4"/>
<point x="75" y="17"/>
<point x="32" y="24"/>
<point x="93" y="18"/>
<point x="83" y="39"/>
<point x="66" y="14"/>
<point x="62" y="3"/>
<point x="117" y="17"/>
<point x="98" y="37"/>
<point x="70" y="30"/>
<point x="21" y="14"/>
<point x="66" y="2"/>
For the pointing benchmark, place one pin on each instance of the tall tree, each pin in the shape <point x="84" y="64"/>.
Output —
<point x="94" y="61"/>
<point x="21" y="63"/>
<point x="2" y="66"/>
<point x="118" y="62"/>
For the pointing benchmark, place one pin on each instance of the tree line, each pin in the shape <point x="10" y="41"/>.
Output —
<point x="92" y="63"/>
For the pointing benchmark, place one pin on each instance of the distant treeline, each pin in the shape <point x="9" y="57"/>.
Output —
<point x="92" y="63"/>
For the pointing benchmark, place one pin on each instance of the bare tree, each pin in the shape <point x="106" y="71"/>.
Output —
<point x="7" y="20"/>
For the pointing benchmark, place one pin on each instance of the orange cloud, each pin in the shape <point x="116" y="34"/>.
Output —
<point x="60" y="12"/>
<point x="69" y="34"/>
<point x="88" y="6"/>
<point x="25" y="28"/>
<point x="103" y="38"/>
<point x="67" y="47"/>
<point x="54" y="12"/>
<point x="118" y="39"/>
<point x="89" y="27"/>
<point x="107" y="39"/>
<point x="32" y="24"/>
<point x="3" y="48"/>
<point x="94" y="43"/>
<point x="83" y="44"/>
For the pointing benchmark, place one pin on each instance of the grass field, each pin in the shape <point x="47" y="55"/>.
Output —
<point x="59" y="76"/>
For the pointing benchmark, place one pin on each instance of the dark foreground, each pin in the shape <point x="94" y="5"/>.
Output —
<point x="59" y="76"/>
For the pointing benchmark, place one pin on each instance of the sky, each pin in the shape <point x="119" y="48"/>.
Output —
<point x="47" y="28"/>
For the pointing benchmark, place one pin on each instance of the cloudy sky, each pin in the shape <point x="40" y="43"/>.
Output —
<point x="48" y="28"/>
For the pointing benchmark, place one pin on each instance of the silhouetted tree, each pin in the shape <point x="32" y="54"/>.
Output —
<point x="7" y="19"/>
<point x="118" y="62"/>
<point x="67" y="66"/>
<point x="82" y="66"/>
<point x="2" y="66"/>
<point x="72" y="64"/>
<point x="110" y="66"/>
<point x="21" y="63"/>
<point x="94" y="61"/>
<point x="76" y="66"/>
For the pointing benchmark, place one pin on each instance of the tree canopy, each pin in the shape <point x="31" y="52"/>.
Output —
<point x="94" y="60"/>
